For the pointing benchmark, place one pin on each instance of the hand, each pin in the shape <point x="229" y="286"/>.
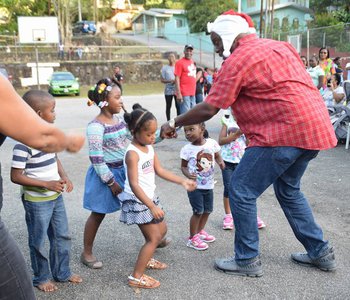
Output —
<point x="75" y="142"/>
<point x="157" y="212"/>
<point x="167" y="132"/>
<point x="189" y="184"/>
<point x="163" y="135"/>
<point x="116" y="189"/>
<point x="69" y="184"/>
<point x="55" y="185"/>
<point x="221" y="165"/>
<point x="179" y="98"/>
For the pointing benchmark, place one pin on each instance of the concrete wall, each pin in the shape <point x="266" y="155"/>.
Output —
<point x="89" y="72"/>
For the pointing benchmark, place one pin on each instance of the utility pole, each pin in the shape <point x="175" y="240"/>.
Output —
<point x="79" y="10"/>
<point x="272" y="11"/>
<point x="261" y="17"/>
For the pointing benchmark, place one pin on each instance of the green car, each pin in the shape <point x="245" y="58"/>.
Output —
<point x="63" y="83"/>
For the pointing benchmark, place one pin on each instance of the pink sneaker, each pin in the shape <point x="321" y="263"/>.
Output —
<point x="228" y="223"/>
<point x="261" y="223"/>
<point x="205" y="237"/>
<point x="196" y="243"/>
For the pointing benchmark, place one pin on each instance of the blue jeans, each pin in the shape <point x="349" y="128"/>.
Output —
<point x="199" y="98"/>
<point x="283" y="167"/>
<point x="43" y="219"/>
<point x="226" y="176"/>
<point x="187" y="103"/>
<point x="15" y="282"/>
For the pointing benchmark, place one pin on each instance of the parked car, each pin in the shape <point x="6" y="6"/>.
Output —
<point x="4" y="72"/>
<point x="84" y="27"/>
<point x="63" y="83"/>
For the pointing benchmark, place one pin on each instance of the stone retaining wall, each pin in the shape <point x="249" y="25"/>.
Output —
<point x="89" y="72"/>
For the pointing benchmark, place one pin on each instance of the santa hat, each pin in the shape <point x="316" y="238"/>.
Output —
<point x="229" y="25"/>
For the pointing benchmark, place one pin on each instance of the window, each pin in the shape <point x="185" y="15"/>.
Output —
<point x="251" y="3"/>
<point x="179" y="23"/>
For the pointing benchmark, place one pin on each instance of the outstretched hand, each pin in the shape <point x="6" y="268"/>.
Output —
<point x="167" y="132"/>
<point x="75" y="142"/>
<point x="189" y="185"/>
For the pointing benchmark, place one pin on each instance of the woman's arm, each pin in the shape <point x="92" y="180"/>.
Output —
<point x="20" y="122"/>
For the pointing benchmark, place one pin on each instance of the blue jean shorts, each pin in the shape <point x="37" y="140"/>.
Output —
<point x="226" y="176"/>
<point x="201" y="201"/>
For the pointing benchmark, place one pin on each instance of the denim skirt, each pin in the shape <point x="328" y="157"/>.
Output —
<point x="98" y="197"/>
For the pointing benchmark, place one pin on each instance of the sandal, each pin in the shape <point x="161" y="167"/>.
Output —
<point x="156" y="265"/>
<point x="145" y="282"/>
<point x="94" y="264"/>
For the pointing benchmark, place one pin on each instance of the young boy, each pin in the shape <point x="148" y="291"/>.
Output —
<point x="43" y="180"/>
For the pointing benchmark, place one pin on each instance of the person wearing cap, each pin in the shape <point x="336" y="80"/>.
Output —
<point x="265" y="84"/>
<point x="185" y="80"/>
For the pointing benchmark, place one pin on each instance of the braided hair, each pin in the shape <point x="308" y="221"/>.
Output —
<point x="138" y="118"/>
<point x="99" y="93"/>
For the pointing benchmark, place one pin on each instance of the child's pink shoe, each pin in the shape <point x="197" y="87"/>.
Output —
<point x="228" y="223"/>
<point x="196" y="243"/>
<point x="261" y="223"/>
<point x="205" y="237"/>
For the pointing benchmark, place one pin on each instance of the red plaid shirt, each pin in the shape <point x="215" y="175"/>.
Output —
<point x="272" y="96"/>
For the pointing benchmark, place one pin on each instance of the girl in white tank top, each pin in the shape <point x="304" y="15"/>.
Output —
<point x="139" y="204"/>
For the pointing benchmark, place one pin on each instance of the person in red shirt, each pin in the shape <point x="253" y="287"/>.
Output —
<point x="185" y="80"/>
<point x="266" y="85"/>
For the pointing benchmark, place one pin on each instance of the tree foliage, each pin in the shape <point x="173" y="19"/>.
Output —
<point x="16" y="8"/>
<point x="200" y="12"/>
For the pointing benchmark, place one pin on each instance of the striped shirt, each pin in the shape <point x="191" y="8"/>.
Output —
<point x="272" y="96"/>
<point x="37" y="165"/>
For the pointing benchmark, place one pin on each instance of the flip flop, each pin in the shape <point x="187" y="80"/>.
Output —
<point x="94" y="264"/>
<point x="145" y="282"/>
<point x="156" y="265"/>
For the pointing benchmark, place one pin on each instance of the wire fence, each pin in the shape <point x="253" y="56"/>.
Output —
<point x="335" y="38"/>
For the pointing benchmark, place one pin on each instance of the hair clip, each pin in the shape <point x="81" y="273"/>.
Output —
<point x="102" y="104"/>
<point x="108" y="88"/>
<point x="101" y="88"/>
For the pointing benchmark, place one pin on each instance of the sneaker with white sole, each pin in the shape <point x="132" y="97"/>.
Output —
<point x="228" y="223"/>
<point x="261" y="223"/>
<point x="196" y="243"/>
<point x="206" y="237"/>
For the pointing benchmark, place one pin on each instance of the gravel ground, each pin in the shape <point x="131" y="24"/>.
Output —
<point x="191" y="274"/>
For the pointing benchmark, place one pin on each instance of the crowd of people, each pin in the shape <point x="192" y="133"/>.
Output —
<point x="271" y="148"/>
<point x="328" y="76"/>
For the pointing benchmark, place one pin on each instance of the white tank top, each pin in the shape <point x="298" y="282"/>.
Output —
<point x="145" y="168"/>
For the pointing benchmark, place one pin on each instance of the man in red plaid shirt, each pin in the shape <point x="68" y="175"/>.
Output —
<point x="283" y="115"/>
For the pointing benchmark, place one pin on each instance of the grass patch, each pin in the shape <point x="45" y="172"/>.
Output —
<point x="129" y="89"/>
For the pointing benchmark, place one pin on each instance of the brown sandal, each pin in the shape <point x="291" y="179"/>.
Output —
<point x="156" y="265"/>
<point x="145" y="282"/>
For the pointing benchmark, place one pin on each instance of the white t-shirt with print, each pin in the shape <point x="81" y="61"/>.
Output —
<point x="201" y="160"/>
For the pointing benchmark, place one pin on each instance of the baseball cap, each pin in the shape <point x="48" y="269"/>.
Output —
<point x="189" y="46"/>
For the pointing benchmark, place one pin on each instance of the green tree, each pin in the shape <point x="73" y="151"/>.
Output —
<point x="16" y="8"/>
<point x="200" y="12"/>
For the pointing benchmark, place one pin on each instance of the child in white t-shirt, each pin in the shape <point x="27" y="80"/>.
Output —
<point x="197" y="163"/>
